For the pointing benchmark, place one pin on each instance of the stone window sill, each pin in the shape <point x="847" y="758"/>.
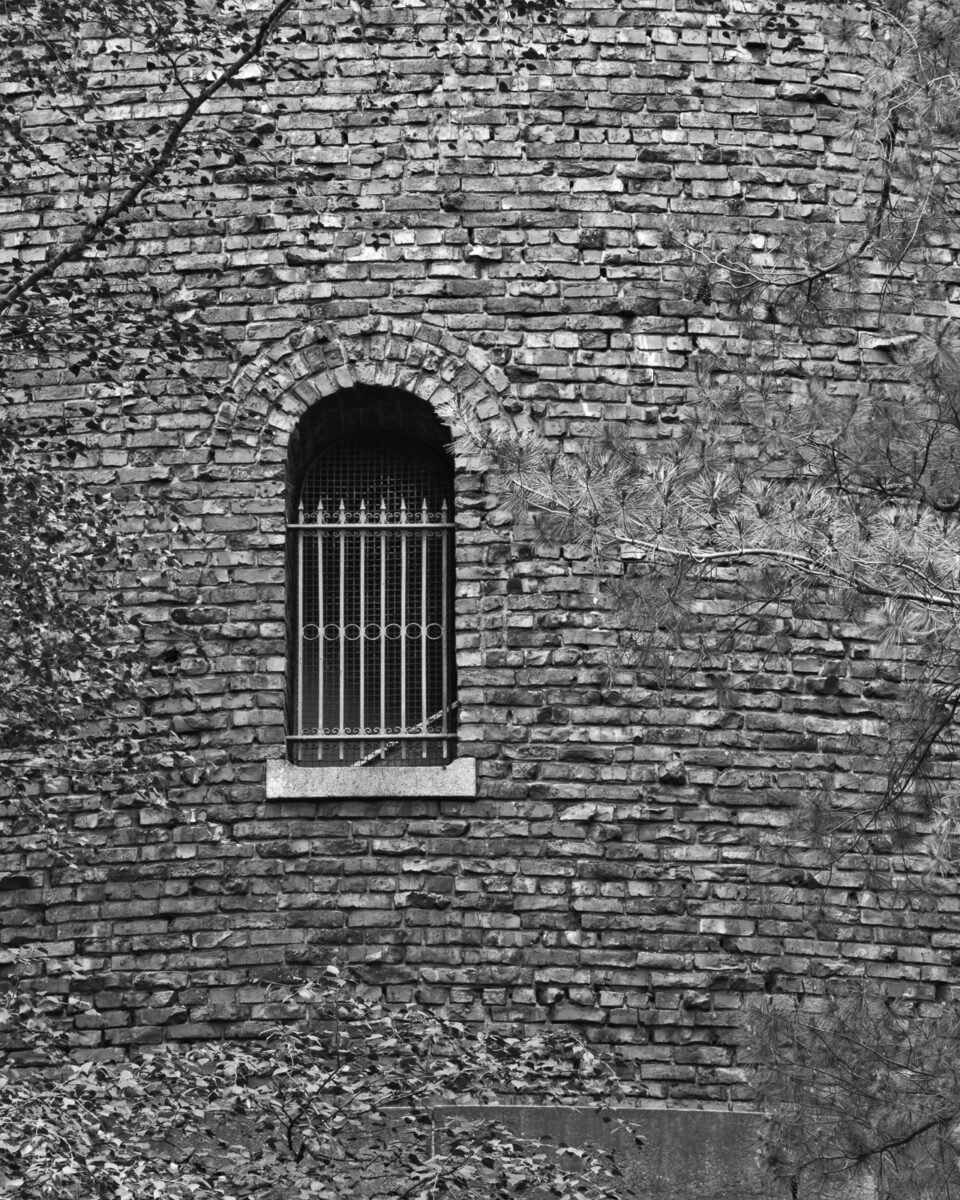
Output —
<point x="287" y="782"/>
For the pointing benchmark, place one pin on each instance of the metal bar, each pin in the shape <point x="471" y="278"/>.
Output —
<point x="343" y="631"/>
<point x="383" y="625"/>
<point x="321" y="641"/>
<point x="301" y="641"/>
<point x="403" y="623"/>
<point x="423" y="626"/>
<point x="361" y="616"/>
<point x="444" y="634"/>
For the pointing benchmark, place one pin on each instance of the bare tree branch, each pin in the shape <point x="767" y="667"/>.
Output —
<point x="159" y="164"/>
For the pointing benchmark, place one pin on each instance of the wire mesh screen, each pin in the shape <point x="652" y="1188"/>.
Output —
<point x="374" y="568"/>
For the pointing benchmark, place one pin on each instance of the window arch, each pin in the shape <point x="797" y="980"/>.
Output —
<point x="371" y="606"/>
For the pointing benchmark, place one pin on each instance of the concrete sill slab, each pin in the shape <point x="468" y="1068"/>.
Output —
<point x="287" y="782"/>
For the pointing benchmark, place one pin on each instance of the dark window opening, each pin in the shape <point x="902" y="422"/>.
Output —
<point x="371" y="613"/>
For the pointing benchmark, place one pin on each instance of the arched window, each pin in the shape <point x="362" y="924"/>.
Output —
<point x="370" y="540"/>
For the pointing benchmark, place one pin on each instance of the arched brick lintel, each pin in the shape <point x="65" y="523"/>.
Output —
<point x="275" y="389"/>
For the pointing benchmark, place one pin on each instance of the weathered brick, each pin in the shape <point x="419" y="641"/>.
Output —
<point x="621" y="868"/>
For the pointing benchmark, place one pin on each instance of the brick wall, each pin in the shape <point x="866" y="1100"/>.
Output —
<point x="620" y="868"/>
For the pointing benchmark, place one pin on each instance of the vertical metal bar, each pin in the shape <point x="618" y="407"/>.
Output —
<point x="343" y="636"/>
<point x="424" y="517"/>
<point x="321" y="621"/>
<point x="301" y="641"/>
<point x="403" y="628"/>
<point x="444" y="620"/>
<point x="362" y="620"/>
<point x="383" y="629"/>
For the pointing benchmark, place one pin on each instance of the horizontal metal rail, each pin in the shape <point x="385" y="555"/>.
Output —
<point x="366" y="526"/>
<point x="363" y="737"/>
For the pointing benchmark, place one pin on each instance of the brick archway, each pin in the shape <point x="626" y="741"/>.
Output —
<point x="276" y="388"/>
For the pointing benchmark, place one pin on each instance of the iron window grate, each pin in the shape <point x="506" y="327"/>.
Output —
<point x="373" y="546"/>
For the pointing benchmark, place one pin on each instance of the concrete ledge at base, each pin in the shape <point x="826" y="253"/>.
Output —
<point x="287" y="782"/>
<point x="687" y="1154"/>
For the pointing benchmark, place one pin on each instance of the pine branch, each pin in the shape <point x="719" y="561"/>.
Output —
<point x="938" y="597"/>
<point x="881" y="1147"/>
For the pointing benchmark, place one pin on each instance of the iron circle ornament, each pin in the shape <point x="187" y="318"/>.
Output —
<point x="311" y="632"/>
